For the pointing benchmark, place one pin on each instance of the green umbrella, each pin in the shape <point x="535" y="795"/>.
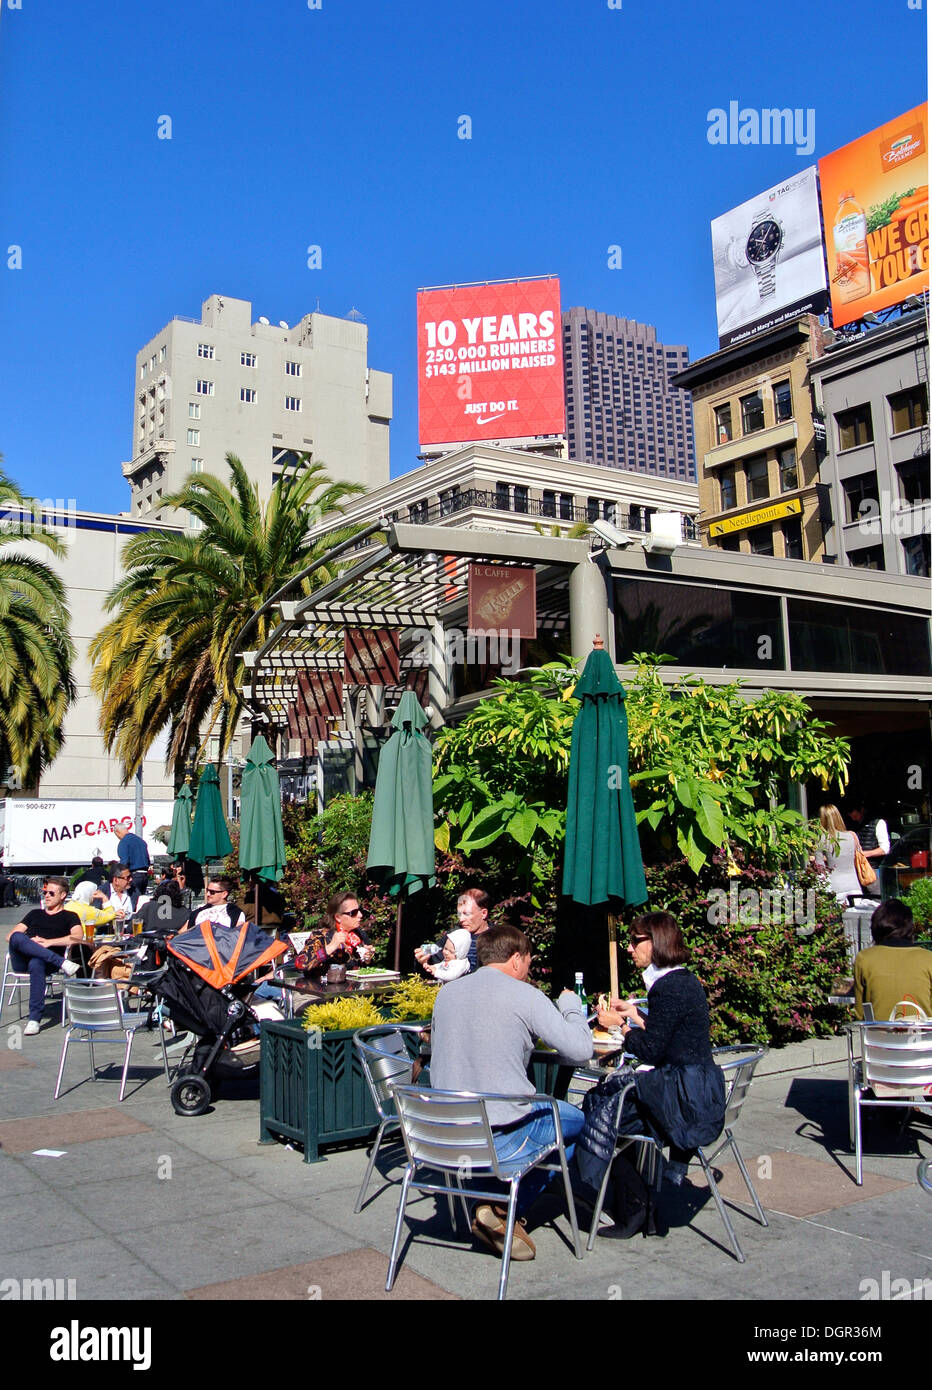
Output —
<point x="210" y="838"/>
<point x="261" y="838"/>
<point x="602" y="862"/>
<point x="180" y="837"/>
<point x="401" y="842"/>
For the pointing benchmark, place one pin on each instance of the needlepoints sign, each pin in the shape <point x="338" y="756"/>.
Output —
<point x="875" y="206"/>
<point x="490" y="362"/>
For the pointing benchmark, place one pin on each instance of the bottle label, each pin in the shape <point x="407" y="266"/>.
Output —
<point x="850" y="232"/>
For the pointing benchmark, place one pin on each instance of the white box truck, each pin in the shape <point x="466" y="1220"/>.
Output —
<point x="65" y="834"/>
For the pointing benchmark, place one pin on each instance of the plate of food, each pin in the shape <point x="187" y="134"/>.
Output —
<point x="372" y="974"/>
<point x="604" y="1040"/>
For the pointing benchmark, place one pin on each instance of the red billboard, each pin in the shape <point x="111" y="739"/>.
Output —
<point x="875" y="206"/>
<point x="490" y="362"/>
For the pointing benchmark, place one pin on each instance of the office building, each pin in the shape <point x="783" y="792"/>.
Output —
<point x="873" y="390"/>
<point x="265" y="392"/>
<point x="622" y="410"/>
<point x="758" y="444"/>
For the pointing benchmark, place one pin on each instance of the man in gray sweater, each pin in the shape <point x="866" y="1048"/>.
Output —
<point x="484" y="1029"/>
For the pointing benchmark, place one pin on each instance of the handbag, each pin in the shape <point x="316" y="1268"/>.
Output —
<point x="862" y="866"/>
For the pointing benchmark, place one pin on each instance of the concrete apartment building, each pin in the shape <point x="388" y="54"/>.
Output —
<point x="759" y="446"/>
<point x="263" y="391"/>
<point x="873" y="391"/>
<point x="622" y="408"/>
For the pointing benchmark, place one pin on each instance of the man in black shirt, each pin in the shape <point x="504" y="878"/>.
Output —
<point x="37" y="946"/>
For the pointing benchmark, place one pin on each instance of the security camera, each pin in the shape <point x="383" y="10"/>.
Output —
<point x="659" y="545"/>
<point x="609" y="532"/>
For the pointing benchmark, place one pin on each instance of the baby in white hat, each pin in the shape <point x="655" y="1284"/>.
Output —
<point x="455" y="952"/>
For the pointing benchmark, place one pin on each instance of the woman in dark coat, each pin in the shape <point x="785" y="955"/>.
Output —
<point x="682" y="1100"/>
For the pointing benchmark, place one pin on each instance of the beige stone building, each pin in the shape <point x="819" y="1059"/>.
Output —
<point x="759" y="444"/>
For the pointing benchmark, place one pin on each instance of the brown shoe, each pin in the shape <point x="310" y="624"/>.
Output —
<point x="489" y="1227"/>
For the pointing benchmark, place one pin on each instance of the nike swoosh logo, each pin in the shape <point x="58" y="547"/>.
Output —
<point x="487" y="419"/>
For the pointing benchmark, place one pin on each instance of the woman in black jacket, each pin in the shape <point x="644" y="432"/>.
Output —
<point x="682" y="1099"/>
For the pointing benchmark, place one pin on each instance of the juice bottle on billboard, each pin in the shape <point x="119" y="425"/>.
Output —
<point x="852" y="268"/>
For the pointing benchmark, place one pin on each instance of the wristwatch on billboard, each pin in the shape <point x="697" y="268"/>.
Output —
<point x="763" y="246"/>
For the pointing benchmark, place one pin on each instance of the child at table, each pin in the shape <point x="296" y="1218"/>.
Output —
<point x="455" y="953"/>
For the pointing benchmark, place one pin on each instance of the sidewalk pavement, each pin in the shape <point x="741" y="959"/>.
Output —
<point x="149" y="1205"/>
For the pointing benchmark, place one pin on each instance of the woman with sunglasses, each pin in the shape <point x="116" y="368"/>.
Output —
<point x="342" y="939"/>
<point x="682" y="1098"/>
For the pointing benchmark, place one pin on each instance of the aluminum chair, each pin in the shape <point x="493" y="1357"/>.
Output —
<point x="95" y="1009"/>
<point x="449" y="1132"/>
<point x="924" y="1175"/>
<point x="386" y="1062"/>
<point x="889" y="1064"/>
<point x="18" y="980"/>
<point x="738" y="1063"/>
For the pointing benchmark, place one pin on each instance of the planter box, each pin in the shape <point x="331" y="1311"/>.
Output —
<point x="312" y="1088"/>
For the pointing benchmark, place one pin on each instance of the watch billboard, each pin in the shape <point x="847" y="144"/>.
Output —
<point x="875" y="205"/>
<point x="769" y="266"/>
<point x="490" y="362"/>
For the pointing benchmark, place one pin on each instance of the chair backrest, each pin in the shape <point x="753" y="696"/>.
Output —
<point x="738" y="1063"/>
<point x="924" y="1174"/>
<point x="898" y="1054"/>
<point x="446" y="1129"/>
<point x="94" y="1003"/>
<point x="385" y="1063"/>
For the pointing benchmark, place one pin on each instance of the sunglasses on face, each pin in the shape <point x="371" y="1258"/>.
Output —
<point x="636" y="940"/>
<point x="351" y="912"/>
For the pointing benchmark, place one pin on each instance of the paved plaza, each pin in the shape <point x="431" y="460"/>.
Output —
<point x="179" y="1208"/>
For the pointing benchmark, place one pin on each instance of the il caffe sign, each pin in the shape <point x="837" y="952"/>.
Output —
<point x="503" y="598"/>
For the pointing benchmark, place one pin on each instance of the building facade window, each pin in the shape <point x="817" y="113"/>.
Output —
<point x="860" y="493"/>
<point x="728" y="493"/>
<point x="548" y="503"/>
<point x="793" y="538"/>
<point x="197" y="466"/>
<point x="247" y="359"/>
<point x="730" y="541"/>
<point x="916" y="551"/>
<point x="503" y="496"/>
<point x="782" y="402"/>
<point x="521" y="498"/>
<point x="292" y="368"/>
<point x="205" y="350"/>
<point x="162" y="352"/>
<point x="870" y="558"/>
<point x="566" y="506"/>
<point x="592" y="509"/>
<point x="909" y="410"/>
<point x="914" y="479"/>
<point x="761" y="540"/>
<point x="194" y="437"/>
<point x="194" y="410"/>
<point x="758" y="482"/>
<point x="204" y="388"/>
<point x="293" y="403"/>
<point x="752" y="413"/>
<point x="789" y="473"/>
<point x="855" y="427"/>
<point x="248" y="394"/>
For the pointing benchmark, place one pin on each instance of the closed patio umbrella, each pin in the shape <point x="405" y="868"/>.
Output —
<point x="602" y="860"/>
<point x="180" y="837"/>
<point x="261" y="838"/>
<point x="210" y="838"/>
<point x="401" y="842"/>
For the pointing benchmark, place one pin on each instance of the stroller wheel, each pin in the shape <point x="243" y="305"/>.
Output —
<point x="190" y="1095"/>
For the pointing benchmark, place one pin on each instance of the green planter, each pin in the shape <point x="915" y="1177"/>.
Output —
<point x="312" y="1088"/>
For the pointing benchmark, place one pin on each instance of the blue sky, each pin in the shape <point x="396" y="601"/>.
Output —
<point x="338" y="127"/>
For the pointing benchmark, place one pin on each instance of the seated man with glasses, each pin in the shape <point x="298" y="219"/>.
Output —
<point x="485" y="1027"/>
<point x="117" y="893"/>
<point x="219" y="910"/>
<point x="37" y="946"/>
<point x="342" y="940"/>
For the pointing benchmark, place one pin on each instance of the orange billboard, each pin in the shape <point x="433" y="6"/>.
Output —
<point x="875" y="210"/>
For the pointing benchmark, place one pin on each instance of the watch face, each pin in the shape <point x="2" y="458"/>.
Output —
<point x="764" y="241"/>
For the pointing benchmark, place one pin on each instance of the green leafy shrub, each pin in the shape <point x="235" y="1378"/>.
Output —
<point x="919" y="901"/>
<point x="411" y="1000"/>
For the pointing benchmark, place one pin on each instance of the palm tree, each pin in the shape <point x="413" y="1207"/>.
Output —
<point x="165" y="659"/>
<point x="36" y="653"/>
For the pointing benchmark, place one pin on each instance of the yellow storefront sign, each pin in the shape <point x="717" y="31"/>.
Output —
<point x="793" y="507"/>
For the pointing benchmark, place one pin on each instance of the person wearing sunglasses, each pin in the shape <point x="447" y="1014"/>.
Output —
<point x="681" y="1098"/>
<point x="37" y="946"/>
<point x="343" y="939"/>
<point x="218" y="909"/>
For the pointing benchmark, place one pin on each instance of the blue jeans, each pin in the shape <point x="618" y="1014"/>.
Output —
<point x="538" y="1128"/>
<point x="28" y="957"/>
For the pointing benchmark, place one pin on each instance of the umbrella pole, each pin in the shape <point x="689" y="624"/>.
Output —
<point x="398" y="935"/>
<point x="613" y="954"/>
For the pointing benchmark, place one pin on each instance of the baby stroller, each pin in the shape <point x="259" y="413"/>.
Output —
<point x="206" y="982"/>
